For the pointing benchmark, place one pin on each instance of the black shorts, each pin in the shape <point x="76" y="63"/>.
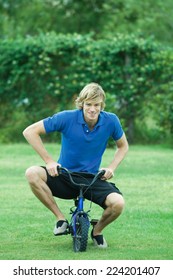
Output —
<point x="61" y="187"/>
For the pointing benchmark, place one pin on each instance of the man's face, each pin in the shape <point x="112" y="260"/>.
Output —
<point x="91" y="110"/>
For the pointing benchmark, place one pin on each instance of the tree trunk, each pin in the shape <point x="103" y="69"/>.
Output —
<point x="130" y="131"/>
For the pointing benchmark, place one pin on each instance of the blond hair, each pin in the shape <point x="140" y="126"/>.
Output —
<point x="92" y="91"/>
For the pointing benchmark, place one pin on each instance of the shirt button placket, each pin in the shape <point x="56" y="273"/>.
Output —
<point x="86" y="129"/>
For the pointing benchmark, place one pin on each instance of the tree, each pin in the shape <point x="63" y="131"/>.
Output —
<point x="148" y="18"/>
<point x="104" y="18"/>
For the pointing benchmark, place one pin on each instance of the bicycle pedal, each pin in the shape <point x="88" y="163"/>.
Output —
<point x="93" y="222"/>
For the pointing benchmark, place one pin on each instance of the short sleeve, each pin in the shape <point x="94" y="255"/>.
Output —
<point x="55" y="123"/>
<point x="117" y="128"/>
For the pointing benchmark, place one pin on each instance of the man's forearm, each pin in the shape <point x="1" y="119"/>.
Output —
<point x="118" y="157"/>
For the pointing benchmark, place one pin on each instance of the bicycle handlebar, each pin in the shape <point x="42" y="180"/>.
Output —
<point x="98" y="175"/>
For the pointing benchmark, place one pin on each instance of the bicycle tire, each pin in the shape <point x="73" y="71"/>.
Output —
<point x="80" y="241"/>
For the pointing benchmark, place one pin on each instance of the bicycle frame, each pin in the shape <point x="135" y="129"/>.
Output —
<point x="79" y="211"/>
<point x="79" y="239"/>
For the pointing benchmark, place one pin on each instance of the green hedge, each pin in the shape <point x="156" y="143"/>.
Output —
<point x="42" y="75"/>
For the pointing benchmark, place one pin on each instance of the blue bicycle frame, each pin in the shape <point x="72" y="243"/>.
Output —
<point x="78" y="212"/>
<point x="79" y="224"/>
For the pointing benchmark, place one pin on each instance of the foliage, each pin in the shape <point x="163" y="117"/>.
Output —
<point x="104" y="18"/>
<point x="38" y="69"/>
<point x="140" y="17"/>
<point x="31" y="71"/>
<point x="50" y="15"/>
<point x="43" y="74"/>
<point x="162" y="103"/>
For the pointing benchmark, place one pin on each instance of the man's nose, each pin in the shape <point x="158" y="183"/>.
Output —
<point x="92" y="108"/>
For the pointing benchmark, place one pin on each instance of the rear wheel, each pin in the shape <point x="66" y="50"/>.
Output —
<point x="81" y="239"/>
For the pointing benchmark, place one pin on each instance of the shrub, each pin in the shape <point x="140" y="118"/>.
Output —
<point x="42" y="75"/>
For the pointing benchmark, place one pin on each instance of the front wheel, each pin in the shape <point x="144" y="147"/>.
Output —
<point x="80" y="240"/>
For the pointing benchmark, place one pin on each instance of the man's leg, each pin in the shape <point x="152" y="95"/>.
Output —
<point x="115" y="204"/>
<point x="37" y="178"/>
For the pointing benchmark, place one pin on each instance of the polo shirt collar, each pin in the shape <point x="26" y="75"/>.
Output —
<point x="81" y="120"/>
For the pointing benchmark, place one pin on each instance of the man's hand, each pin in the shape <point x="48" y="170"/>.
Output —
<point x="108" y="174"/>
<point x="52" y="168"/>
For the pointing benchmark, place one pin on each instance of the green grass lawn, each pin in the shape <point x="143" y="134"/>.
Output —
<point x="144" y="230"/>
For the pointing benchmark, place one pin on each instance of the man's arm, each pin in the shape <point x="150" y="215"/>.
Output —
<point x="122" y="149"/>
<point x="33" y="135"/>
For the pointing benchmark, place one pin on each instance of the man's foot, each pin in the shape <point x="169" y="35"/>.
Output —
<point x="61" y="227"/>
<point x="99" y="240"/>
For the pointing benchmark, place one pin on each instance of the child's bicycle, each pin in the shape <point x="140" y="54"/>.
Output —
<point x="80" y="223"/>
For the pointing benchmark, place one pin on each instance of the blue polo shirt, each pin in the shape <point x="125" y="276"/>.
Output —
<point x="82" y="149"/>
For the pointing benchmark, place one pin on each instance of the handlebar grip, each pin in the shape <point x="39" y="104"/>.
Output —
<point x="102" y="172"/>
<point x="59" y="169"/>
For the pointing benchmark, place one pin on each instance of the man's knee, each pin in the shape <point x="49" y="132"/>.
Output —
<point x="34" y="173"/>
<point x="31" y="174"/>
<point x="115" y="202"/>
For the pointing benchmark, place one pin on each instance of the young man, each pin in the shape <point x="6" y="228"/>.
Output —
<point x="85" y="133"/>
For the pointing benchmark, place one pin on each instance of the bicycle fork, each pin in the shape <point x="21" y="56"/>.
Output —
<point x="79" y="212"/>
